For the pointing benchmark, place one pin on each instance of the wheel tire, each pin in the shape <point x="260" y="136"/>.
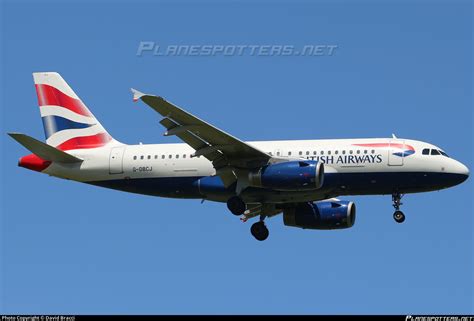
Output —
<point x="259" y="231"/>
<point x="399" y="217"/>
<point x="236" y="205"/>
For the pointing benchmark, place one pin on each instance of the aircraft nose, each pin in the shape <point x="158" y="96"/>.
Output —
<point x="461" y="171"/>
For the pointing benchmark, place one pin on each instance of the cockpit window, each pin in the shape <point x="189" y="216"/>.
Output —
<point x="443" y="153"/>
<point x="428" y="151"/>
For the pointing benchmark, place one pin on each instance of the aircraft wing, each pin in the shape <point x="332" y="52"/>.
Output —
<point x="226" y="152"/>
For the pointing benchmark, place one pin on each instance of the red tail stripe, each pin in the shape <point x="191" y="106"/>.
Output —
<point x="93" y="141"/>
<point x="48" y="95"/>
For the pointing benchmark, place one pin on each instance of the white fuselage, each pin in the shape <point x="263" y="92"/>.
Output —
<point x="371" y="166"/>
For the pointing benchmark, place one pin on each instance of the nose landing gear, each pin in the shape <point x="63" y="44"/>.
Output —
<point x="398" y="216"/>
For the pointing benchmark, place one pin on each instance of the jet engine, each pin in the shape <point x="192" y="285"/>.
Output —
<point x="327" y="215"/>
<point x="289" y="176"/>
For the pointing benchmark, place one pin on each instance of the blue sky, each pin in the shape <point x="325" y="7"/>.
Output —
<point x="402" y="67"/>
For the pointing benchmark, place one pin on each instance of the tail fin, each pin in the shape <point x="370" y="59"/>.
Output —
<point x="68" y="123"/>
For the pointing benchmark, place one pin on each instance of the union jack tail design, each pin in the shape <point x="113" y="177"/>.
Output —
<point x="68" y="123"/>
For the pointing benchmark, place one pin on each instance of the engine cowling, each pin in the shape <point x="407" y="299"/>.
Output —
<point x="321" y="215"/>
<point x="289" y="176"/>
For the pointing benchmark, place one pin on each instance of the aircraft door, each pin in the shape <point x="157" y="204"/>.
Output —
<point x="116" y="160"/>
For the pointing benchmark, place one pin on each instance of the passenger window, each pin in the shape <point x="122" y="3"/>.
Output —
<point x="177" y="156"/>
<point x="426" y="151"/>
<point x="365" y="151"/>
<point x="170" y="156"/>
<point x="358" y="151"/>
<point x="344" y="152"/>
<point x="149" y="156"/>
<point x="184" y="155"/>
<point x="142" y="157"/>
<point x="289" y="153"/>
<point x="350" y="152"/>
<point x="156" y="156"/>
<point x="373" y="151"/>
<point x="322" y="152"/>
<point x="307" y="153"/>
<point x="301" y="153"/>
<point x="162" y="156"/>
<point x="434" y="152"/>
<point x="329" y="152"/>
<point x="315" y="153"/>
<point x="278" y="153"/>
<point x="336" y="152"/>
<point x="134" y="157"/>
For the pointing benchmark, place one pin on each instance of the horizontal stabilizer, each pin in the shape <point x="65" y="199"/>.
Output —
<point x="45" y="151"/>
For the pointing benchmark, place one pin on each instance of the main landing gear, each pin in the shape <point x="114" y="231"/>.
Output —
<point x="238" y="207"/>
<point x="398" y="216"/>
<point x="259" y="230"/>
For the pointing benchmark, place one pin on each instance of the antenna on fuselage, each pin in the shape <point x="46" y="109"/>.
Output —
<point x="393" y="136"/>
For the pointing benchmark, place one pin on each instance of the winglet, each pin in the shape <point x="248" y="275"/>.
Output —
<point x="136" y="94"/>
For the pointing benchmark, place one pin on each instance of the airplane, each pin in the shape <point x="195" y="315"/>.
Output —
<point x="301" y="179"/>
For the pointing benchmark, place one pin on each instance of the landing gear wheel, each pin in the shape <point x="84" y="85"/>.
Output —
<point x="259" y="231"/>
<point x="399" y="217"/>
<point x="236" y="205"/>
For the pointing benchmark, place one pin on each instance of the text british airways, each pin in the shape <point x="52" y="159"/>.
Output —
<point x="349" y="159"/>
